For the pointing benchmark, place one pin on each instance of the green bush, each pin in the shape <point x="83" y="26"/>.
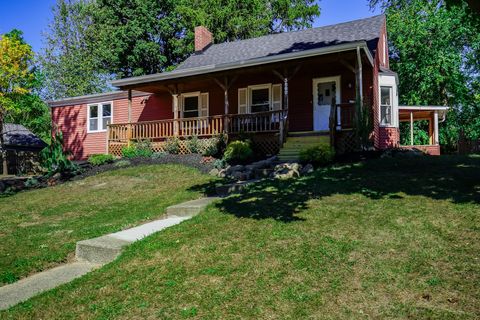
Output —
<point x="159" y="155"/>
<point x="99" y="159"/>
<point x="193" y="144"/>
<point x="54" y="159"/>
<point x="238" y="152"/>
<point x="172" y="145"/>
<point x="140" y="149"/>
<point x="318" y="156"/>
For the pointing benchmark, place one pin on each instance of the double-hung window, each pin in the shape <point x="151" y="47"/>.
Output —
<point x="260" y="98"/>
<point x="386" y="106"/>
<point x="99" y="116"/>
<point x="194" y="104"/>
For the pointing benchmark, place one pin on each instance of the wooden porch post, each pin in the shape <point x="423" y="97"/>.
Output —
<point x="175" y="115"/>
<point x="430" y="130"/>
<point x="129" y="127"/>
<point x="435" y="129"/>
<point x="360" y="77"/>
<point x="411" y="128"/>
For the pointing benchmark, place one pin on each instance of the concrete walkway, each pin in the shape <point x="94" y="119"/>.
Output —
<point x="93" y="253"/>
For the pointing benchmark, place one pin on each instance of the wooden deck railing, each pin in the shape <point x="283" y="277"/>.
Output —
<point x="345" y="115"/>
<point x="201" y="127"/>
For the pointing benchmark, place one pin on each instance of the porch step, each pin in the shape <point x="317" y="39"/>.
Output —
<point x="298" y="141"/>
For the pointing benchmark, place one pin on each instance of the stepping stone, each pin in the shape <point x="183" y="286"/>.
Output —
<point x="26" y="288"/>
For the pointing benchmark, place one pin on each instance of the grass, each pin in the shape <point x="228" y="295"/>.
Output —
<point x="39" y="229"/>
<point x="388" y="239"/>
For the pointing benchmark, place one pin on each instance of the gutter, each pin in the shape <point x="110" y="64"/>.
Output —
<point x="176" y="74"/>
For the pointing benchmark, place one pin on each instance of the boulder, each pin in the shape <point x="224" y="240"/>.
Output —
<point x="3" y="187"/>
<point x="232" y="169"/>
<point x="287" y="170"/>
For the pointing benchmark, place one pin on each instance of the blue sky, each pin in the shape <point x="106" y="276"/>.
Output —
<point x="33" y="16"/>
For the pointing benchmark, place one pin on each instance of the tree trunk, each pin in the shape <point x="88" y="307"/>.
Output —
<point x="2" y="147"/>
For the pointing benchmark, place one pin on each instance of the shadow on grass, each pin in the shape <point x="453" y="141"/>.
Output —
<point x="453" y="178"/>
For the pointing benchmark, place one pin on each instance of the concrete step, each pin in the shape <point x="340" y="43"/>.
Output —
<point x="107" y="248"/>
<point x="24" y="289"/>
<point x="189" y="208"/>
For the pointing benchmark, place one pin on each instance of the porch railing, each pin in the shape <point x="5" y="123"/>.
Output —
<point x="345" y="115"/>
<point x="202" y="127"/>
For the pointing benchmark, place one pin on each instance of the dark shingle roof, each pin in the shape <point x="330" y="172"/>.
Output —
<point x="16" y="135"/>
<point x="271" y="45"/>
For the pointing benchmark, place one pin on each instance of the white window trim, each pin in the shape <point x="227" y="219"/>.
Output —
<point x="189" y="95"/>
<point x="99" y="116"/>
<point x="388" y="81"/>
<point x="259" y="87"/>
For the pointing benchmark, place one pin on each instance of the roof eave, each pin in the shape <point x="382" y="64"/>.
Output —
<point x="121" y="83"/>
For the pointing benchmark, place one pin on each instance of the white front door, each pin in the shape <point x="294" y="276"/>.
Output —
<point x="324" y="89"/>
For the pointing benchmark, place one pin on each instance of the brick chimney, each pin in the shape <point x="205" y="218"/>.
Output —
<point x="203" y="38"/>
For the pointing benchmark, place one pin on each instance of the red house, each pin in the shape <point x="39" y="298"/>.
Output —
<point x="278" y="88"/>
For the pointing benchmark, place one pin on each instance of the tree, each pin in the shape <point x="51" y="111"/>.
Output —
<point x="90" y="41"/>
<point x="435" y="47"/>
<point x="69" y="61"/>
<point x="16" y="78"/>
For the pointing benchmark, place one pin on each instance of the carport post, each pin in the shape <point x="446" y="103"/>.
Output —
<point x="435" y="129"/>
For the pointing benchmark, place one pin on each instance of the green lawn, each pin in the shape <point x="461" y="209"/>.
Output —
<point x="39" y="229"/>
<point x="387" y="239"/>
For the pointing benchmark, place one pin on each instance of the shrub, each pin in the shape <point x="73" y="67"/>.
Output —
<point x="318" y="156"/>
<point x="211" y="148"/>
<point x="99" y="159"/>
<point x="238" y="152"/>
<point x="129" y="152"/>
<point x="140" y="149"/>
<point x="54" y="159"/>
<point x="144" y="149"/>
<point x="219" y="164"/>
<point x="193" y="144"/>
<point x="32" y="183"/>
<point x="172" y="145"/>
<point x="159" y="155"/>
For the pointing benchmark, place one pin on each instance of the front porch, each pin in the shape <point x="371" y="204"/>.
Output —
<point x="269" y="130"/>
<point x="265" y="102"/>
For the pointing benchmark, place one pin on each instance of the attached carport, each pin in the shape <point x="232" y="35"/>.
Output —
<point x="434" y="115"/>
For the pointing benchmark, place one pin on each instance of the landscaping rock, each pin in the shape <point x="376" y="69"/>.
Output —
<point x="2" y="187"/>
<point x="214" y="172"/>
<point x="287" y="170"/>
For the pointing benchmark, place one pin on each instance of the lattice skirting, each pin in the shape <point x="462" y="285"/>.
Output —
<point x="345" y="142"/>
<point x="115" y="148"/>
<point x="267" y="144"/>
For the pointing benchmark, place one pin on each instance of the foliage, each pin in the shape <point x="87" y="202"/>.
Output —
<point x="320" y="155"/>
<point x="55" y="159"/>
<point x="31" y="182"/>
<point x="68" y="61"/>
<point x="172" y="145"/>
<point x="91" y="41"/>
<point x="159" y="155"/>
<point x="238" y="152"/>
<point x="435" y="48"/>
<point x="364" y="124"/>
<point x="420" y="133"/>
<point x="193" y="144"/>
<point x="99" y="159"/>
<point x="140" y="149"/>
<point x="16" y="77"/>
<point x="219" y="163"/>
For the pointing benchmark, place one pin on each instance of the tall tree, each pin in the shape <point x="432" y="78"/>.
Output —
<point x="435" y="46"/>
<point x="16" y="78"/>
<point x="136" y="37"/>
<point x="68" y="60"/>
